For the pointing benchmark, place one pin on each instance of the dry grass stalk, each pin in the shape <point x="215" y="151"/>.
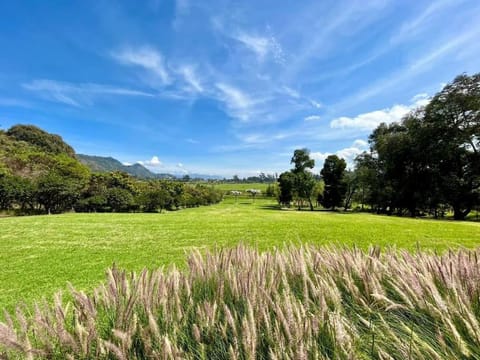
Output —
<point x="298" y="303"/>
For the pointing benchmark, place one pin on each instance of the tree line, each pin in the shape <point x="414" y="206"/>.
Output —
<point x="261" y="178"/>
<point x="100" y="192"/>
<point x="39" y="173"/>
<point x="426" y="164"/>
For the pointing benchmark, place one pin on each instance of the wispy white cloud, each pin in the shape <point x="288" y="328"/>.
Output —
<point x="173" y="81"/>
<point x="312" y="118"/>
<point x="261" y="138"/>
<point x="188" y="81"/>
<point x="422" y="63"/>
<point x="237" y="103"/>
<point x="245" y="40"/>
<point x="77" y="94"/>
<point x="422" y="20"/>
<point x="258" y="44"/>
<point x="262" y="46"/>
<point x="370" y="120"/>
<point x="191" y="78"/>
<point x="296" y="95"/>
<point x="147" y="58"/>
<point x="410" y="29"/>
<point x="336" y="22"/>
<point x="252" y="140"/>
<point x="291" y="92"/>
<point x="181" y="168"/>
<point x="315" y="103"/>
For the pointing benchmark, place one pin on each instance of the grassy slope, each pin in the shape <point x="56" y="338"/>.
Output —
<point x="38" y="255"/>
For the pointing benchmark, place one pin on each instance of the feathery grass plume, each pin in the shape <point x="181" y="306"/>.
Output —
<point x="294" y="303"/>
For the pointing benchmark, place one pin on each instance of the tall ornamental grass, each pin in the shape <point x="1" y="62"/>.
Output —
<point x="297" y="303"/>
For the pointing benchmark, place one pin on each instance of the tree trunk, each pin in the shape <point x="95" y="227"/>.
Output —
<point x="310" y="203"/>
<point x="348" y="201"/>
<point x="363" y="197"/>
<point x="459" y="214"/>
<point x="412" y="211"/>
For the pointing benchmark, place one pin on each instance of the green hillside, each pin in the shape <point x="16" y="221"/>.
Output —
<point x="109" y="164"/>
<point x="27" y="151"/>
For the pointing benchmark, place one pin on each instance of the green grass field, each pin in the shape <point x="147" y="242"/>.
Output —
<point x="39" y="254"/>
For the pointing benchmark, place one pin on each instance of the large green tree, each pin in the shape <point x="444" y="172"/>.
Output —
<point x="155" y="197"/>
<point x="367" y="176"/>
<point x="119" y="200"/>
<point x="286" y="184"/>
<point x="8" y="191"/>
<point x="333" y="173"/>
<point x="351" y="187"/>
<point x="429" y="160"/>
<point x="404" y="174"/>
<point x="304" y="182"/>
<point x="452" y="120"/>
<point x="56" y="193"/>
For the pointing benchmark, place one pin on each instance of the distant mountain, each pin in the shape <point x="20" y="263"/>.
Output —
<point x="108" y="164"/>
<point x="139" y="171"/>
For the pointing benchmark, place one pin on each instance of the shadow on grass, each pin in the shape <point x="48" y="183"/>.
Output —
<point x="277" y="207"/>
<point x="270" y="207"/>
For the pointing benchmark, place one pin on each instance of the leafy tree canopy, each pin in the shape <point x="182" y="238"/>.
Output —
<point x="333" y="173"/>
<point x="431" y="159"/>
<point x="33" y="135"/>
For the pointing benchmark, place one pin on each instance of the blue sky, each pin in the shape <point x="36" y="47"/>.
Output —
<point x="227" y="87"/>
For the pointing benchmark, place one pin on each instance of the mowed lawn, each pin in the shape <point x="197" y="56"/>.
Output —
<point x="40" y="254"/>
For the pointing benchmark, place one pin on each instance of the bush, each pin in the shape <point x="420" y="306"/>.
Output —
<point x="119" y="199"/>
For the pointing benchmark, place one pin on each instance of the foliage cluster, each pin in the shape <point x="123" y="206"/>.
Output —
<point x="430" y="161"/>
<point x="113" y="192"/>
<point x="298" y="184"/>
<point x="299" y="303"/>
<point x="261" y="178"/>
<point x="333" y="175"/>
<point x="119" y="192"/>
<point x="47" y="142"/>
<point x="40" y="173"/>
